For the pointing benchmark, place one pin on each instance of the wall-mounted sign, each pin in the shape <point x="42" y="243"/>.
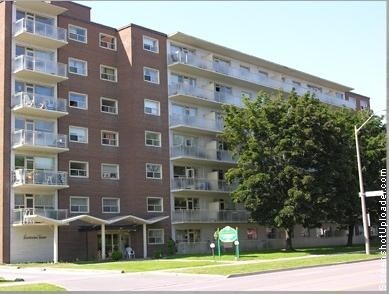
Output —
<point x="34" y="237"/>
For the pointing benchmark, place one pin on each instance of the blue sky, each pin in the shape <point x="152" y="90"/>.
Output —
<point x="340" y="41"/>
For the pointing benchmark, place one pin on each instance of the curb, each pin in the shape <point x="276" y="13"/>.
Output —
<point x="295" y="268"/>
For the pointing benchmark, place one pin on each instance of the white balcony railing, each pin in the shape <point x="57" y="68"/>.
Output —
<point x="220" y="97"/>
<point x="39" y="139"/>
<point x="24" y="99"/>
<point x="39" y="177"/>
<point x="201" y="153"/>
<point x="256" y="78"/>
<point x="197" y="184"/>
<point x="40" y="28"/>
<point x="45" y="66"/>
<point x="21" y="215"/>
<point x="205" y="216"/>
<point x="197" y="122"/>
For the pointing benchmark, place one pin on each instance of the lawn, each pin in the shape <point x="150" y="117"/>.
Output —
<point x="281" y="264"/>
<point x="32" y="287"/>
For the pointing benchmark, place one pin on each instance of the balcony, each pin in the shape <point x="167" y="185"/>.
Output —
<point x="196" y="124"/>
<point x="188" y="94"/>
<point x="45" y="7"/>
<point x="40" y="70"/>
<point x="38" y="105"/>
<point x="210" y="216"/>
<point x="223" y="73"/>
<point x="30" y="180"/>
<point x="39" y="34"/>
<point x="22" y="216"/>
<point x="189" y="185"/>
<point x="23" y="140"/>
<point x="190" y="154"/>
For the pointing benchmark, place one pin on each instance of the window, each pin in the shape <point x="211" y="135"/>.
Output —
<point x="252" y="234"/>
<point x="77" y="100"/>
<point x="150" y="44"/>
<point x="79" y="204"/>
<point x="110" y="171"/>
<point x="78" y="169"/>
<point x="296" y="83"/>
<point x="263" y="74"/>
<point x="153" y="171"/>
<point x="109" y="138"/>
<point x="109" y="105"/>
<point x="154" y="204"/>
<point x="78" y="134"/>
<point x="78" y="67"/>
<point x="314" y="88"/>
<point x="155" y="236"/>
<point x="108" y="73"/>
<point x="107" y="41"/>
<point x="152" y="139"/>
<point x="78" y="34"/>
<point x="111" y="205"/>
<point x="244" y="70"/>
<point x="151" y="75"/>
<point x="339" y="95"/>
<point x="152" y="107"/>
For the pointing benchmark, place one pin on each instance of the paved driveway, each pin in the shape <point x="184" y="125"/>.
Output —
<point x="351" y="277"/>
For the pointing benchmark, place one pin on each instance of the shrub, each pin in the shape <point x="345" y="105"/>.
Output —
<point x="171" y="247"/>
<point x="116" y="255"/>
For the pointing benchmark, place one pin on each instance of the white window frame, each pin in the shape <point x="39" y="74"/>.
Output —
<point x="163" y="236"/>
<point x="87" y="136"/>
<point x="160" y="139"/>
<point x="77" y="93"/>
<point x="78" y="27"/>
<point x="109" y="67"/>
<point x="116" y="43"/>
<point x="77" y="161"/>
<point x="78" y="197"/>
<point x="110" y="198"/>
<point x="150" y="68"/>
<point x="147" y="204"/>
<point x="152" y="39"/>
<point x="159" y="107"/>
<point x="74" y="73"/>
<point x="110" y="99"/>
<point x="160" y="171"/>
<point x="112" y="132"/>
<point x="109" y="178"/>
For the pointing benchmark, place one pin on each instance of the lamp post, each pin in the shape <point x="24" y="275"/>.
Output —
<point x="212" y="245"/>
<point x="361" y="189"/>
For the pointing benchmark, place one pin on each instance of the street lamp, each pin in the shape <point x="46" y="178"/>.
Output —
<point x="361" y="190"/>
<point x="212" y="245"/>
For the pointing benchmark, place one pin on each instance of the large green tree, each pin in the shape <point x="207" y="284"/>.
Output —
<point x="287" y="152"/>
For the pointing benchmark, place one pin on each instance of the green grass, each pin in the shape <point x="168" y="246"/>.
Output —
<point x="284" y="264"/>
<point x="33" y="287"/>
<point x="127" y="266"/>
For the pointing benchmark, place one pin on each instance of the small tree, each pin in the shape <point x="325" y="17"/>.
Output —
<point x="285" y="166"/>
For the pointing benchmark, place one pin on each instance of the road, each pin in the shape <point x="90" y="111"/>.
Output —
<point x="345" y="277"/>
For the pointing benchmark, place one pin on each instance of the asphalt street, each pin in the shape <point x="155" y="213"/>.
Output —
<point x="365" y="276"/>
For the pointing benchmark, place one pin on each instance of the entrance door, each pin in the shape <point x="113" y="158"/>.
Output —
<point x="29" y="132"/>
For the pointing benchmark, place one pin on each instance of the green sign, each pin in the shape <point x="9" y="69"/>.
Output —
<point x="228" y="234"/>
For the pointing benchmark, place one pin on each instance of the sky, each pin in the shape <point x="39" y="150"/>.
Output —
<point x="342" y="41"/>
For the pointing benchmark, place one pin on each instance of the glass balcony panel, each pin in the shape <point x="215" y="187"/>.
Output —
<point x="40" y="28"/>
<point x="24" y="99"/>
<point x="39" y="177"/>
<point x="36" y="138"/>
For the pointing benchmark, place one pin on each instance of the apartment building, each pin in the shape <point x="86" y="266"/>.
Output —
<point x="202" y="77"/>
<point x="108" y="136"/>
<point x="84" y="137"/>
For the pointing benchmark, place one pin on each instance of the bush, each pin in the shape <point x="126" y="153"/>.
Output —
<point x="116" y="255"/>
<point x="158" y="254"/>
<point x="171" y="247"/>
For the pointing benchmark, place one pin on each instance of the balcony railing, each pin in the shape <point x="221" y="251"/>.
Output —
<point x="39" y="139"/>
<point x="201" y="153"/>
<point x="40" y="28"/>
<point x="253" y="77"/>
<point x="24" y="99"/>
<point x="206" y="216"/>
<point x="21" y="215"/>
<point x="220" y="97"/>
<point x="39" y="177"/>
<point x="197" y="122"/>
<point x="45" y="66"/>
<point x="196" y="184"/>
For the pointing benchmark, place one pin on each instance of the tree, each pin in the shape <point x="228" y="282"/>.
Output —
<point x="285" y="166"/>
<point x="345" y="207"/>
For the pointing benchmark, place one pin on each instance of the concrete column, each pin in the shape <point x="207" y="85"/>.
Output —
<point x="55" y="244"/>
<point x="103" y="241"/>
<point x="144" y="241"/>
